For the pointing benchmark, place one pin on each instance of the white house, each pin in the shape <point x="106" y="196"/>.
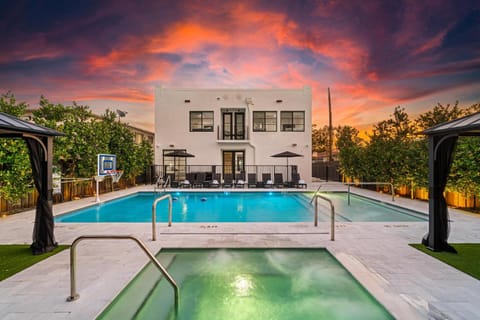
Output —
<point x="234" y="131"/>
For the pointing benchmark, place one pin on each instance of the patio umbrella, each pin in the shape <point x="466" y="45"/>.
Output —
<point x="178" y="154"/>
<point x="287" y="154"/>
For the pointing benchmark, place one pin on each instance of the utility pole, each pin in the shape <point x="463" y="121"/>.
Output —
<point x="330" y="137"/>
<point x="330" y="129"/>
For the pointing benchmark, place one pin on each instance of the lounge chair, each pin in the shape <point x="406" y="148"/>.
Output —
<point x="199" y="180"/>
<point x="297" y="182"/>
<point x="185" y="184"/>
<point x="252" y="180"/>
<point x="239" y="180"/>
<point x="227" y="180"/>
<point x="267" y="180"/>
<point x="278" y="180"/>
<point x="215" y="183"/>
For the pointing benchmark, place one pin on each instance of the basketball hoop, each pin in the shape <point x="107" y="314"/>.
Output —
<point x="115" y="174"/>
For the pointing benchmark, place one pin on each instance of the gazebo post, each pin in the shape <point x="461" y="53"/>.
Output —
<point x="440" y="152"/>
<point x="432" y="235"/>
<point x="49" y="141"/>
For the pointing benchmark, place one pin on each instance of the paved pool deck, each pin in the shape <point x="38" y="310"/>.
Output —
<point x="410" y="284"/>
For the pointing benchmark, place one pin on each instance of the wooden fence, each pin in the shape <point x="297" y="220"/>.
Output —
<point x="72" y="189"/>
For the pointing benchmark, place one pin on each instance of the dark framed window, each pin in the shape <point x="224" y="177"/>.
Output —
<point x="292" y="121"/>
<point x="201" y="121"/>
<point x="265" y="121"/>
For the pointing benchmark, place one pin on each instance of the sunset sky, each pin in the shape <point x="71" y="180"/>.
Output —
<point x="374" y="55"/>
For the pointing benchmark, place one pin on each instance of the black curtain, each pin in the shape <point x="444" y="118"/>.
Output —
<point x="441" y="158"/>
<point x="43" y="236"/>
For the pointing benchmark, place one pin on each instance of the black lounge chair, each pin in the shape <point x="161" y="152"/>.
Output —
<point x="227" y="180"/>
<point x="252" y="180"/>
<point x="215" y="183"/>
<point x="297" y="182"/>
<point x="199" y="180"/>
<point x="184" y="184"/>
<point x="267" y="180"/>
<point x="239" y="180"/>
<point x="278" y="180"/>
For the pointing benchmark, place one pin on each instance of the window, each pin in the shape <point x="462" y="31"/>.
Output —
<point x="201" y="121"/>
<point x="265" y="121"/>
<point x="138" y="138"/>
<point x="292" y="120"/>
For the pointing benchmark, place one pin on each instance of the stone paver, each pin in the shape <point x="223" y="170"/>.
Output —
<point x="410" y="284"/>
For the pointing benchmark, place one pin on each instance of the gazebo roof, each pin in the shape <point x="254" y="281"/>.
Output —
<point x="12" y="126"/>
<point x="466" y="126"/>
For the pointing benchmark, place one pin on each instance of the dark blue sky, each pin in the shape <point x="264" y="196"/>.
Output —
<point x="374" y="55"/>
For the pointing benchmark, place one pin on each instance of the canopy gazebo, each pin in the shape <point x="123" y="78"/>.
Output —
<point x="442" y="140"/>
<point x="39" y="141"/>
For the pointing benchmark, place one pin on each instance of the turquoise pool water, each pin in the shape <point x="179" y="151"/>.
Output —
<point x="247" y="284"/>
<point x="238" y="207"/>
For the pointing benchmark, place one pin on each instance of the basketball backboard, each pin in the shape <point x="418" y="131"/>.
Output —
<point x="106" y="163"/>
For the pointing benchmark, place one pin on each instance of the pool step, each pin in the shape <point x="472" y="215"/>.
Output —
<point x="129" y="302"/>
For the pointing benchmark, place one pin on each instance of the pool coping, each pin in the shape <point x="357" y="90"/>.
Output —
<point x="397" y="278"/>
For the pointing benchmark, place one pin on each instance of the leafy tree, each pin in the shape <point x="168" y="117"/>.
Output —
<point x="143" y="157"/>
<point x="75" y="153"/>
<point x="319" y="138"/>
<point x="9" y="105"/>
<point x="389" y="153"/>
<point x="439" y="114"/>
<point x="351" y="152"/>
<point x="87" y="135"/>
<point x="15" y="169"/>
<point x="464" y="174"/>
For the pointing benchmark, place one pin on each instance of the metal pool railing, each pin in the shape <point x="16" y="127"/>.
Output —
<point x="371" y="183"/>
<point x="332" y="214"/>
<point x="154" y="214"/>
<point x="73" y="285"/>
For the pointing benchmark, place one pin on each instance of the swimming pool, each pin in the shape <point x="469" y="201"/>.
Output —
<point x="247" y="284"/>
<point x="238" y="207"/>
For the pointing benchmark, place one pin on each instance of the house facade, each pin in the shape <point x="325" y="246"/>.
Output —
<point x="234" y="131"/>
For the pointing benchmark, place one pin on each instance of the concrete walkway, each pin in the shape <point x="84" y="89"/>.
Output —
<point x="410" y="284"/>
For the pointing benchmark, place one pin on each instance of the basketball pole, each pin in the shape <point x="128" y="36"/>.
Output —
<point x="97" y="191"/>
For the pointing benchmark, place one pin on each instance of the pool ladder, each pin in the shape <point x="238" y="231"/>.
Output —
<point x="154" y="213"/>
<point x="73" y="284"/>
<point x="164" y="185"/>
<point x="332" y="214"/>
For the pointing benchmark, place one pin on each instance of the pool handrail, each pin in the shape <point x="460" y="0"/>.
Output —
<point x="370" y="183"/>
<point x="164" y="184"/>
<point x="73" y="288"/>
<point x="154" y="213"/>
<point x="316" y="192"/>
<point x="167" y="183"/>
<point x="332" y="214"/>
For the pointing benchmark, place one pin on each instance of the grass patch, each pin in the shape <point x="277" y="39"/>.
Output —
<point x="467" y="259"/>
<point x="17" y="257"/>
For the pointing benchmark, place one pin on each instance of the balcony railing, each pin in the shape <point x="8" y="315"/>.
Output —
<point x="234" y="137"/>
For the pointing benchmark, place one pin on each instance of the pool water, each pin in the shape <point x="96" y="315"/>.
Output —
<point x="364" y="209"/>
<point x="238" y="207"/>
<point x="247" y="284"/>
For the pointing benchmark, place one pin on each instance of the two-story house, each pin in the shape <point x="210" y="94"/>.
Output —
<point x="234" y="130"/>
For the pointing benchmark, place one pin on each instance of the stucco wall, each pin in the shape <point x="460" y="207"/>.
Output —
<point x="172" y="123"/>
